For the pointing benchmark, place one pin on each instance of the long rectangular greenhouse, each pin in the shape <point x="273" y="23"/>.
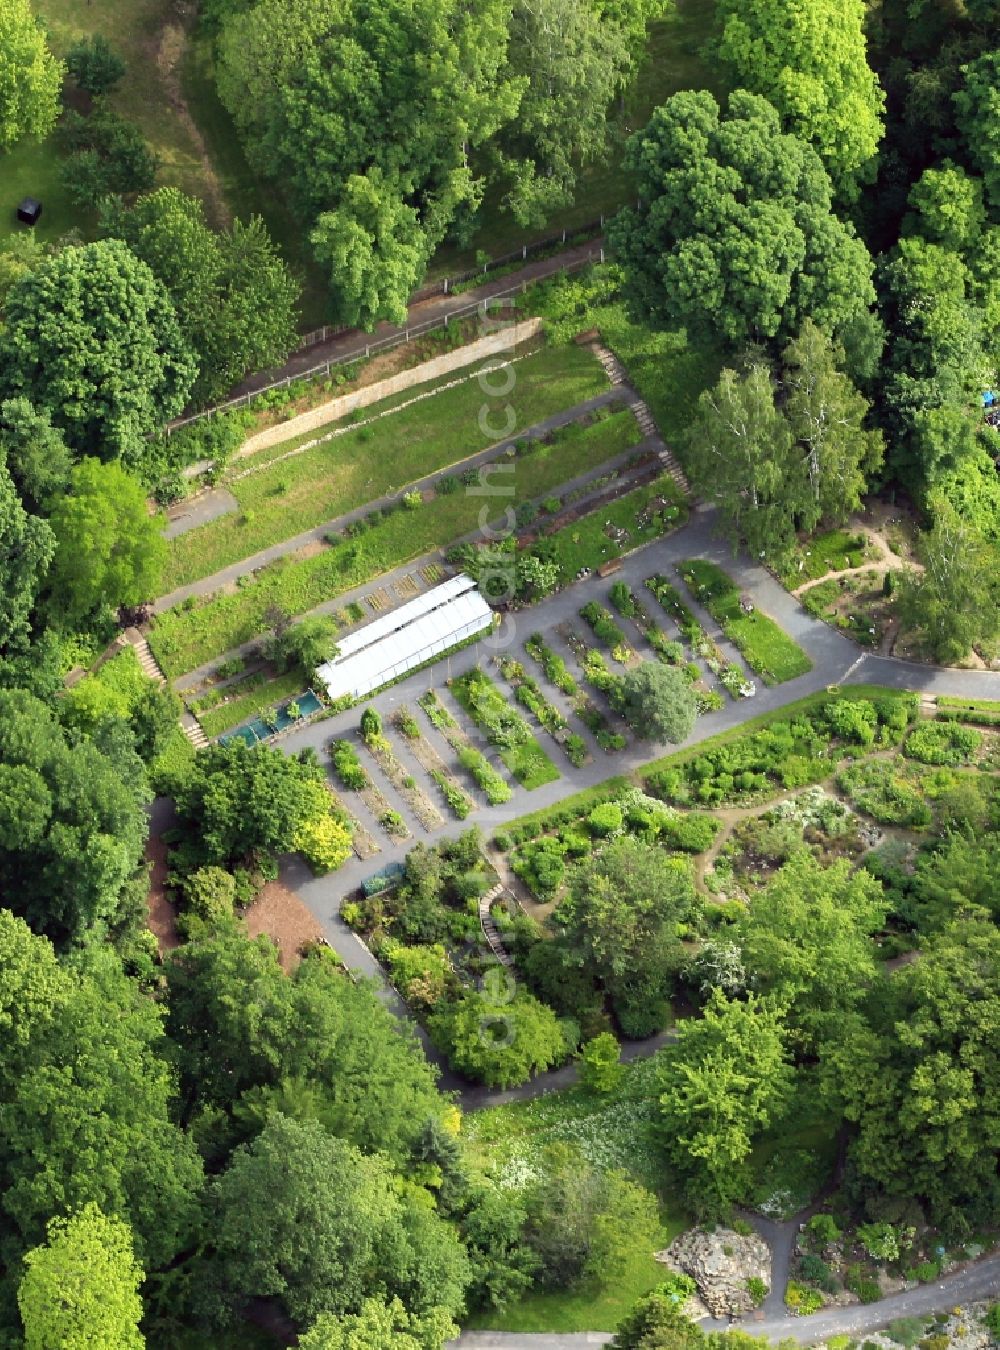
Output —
<point x="398" y="642"/>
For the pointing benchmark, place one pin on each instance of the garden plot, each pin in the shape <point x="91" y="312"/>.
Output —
<point x="349" y="771"/>
<point x="860" y="605"/>
<point x="504" y="728"/>
<point x="528" y="693"/>
<point x="611" y="730"/>
<point x="459" y="803"/>
<point x="558" y="675"/>
<point x="763" y="841"/>
<point x="764" y="645"/>
<point x="380" y="748"/>
<point x="492" y="784"/>
<point x="667" y="650"/>
<point x="303" y="487"/>
<point x="731" y="676"/>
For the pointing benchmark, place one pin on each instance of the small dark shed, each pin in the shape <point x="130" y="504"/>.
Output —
<point x="29" y="210"/>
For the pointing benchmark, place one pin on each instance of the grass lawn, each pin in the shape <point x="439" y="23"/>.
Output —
<point x="827" y="552"/>
<point x="527" y="761"/>
<point x="31" y="169"/>
<point x="611" y="1132"/>
<point x="586" y="543"/>
<point x="766" y="647"/>
<point x="342" y="473"/>
<point x="184" y="638"/>
<point x="151" y="37"/>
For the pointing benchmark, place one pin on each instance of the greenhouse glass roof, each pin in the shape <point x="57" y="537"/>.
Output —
<point x="398" y="642"/>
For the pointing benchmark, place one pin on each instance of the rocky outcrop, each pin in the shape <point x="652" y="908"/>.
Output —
<point x="721" y="1263"/>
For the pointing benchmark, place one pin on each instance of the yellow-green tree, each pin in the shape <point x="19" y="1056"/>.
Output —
<point x="30" y="76"/>
<point x="80" y="1289"/>
<point x="809" y="60"/>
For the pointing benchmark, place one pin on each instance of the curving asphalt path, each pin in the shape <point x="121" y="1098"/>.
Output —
<point x="977" y="1281"/>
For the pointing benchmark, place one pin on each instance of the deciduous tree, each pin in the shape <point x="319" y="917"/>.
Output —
<point x="30" y="76"/>
<point x="735" y="238"/>
<point x="82" y="1287"/>
<point x="809" y="61"/>
<point x="739" y="455"/>
<point x="91" y="336"/>
<point x="26" y="548"/>
<point x="108" y="549"/>
<point x="658" y="702"/>
<point x="234" y="297"/>
<point x="94" y="64"/>
<point x="826" y="417"/>
<point x="955" y="600"/>
<point x="721" y="1083"/>
<point x="620" y="923"/>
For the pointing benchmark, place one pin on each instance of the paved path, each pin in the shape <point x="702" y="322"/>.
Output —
<point x="975" y="1282"/>
<point x="228" y="575"/>
<point x="353" y="342"/>
<point x="836" y="659"/>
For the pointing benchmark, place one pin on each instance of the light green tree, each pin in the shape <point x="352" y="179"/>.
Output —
<point x="955" y="600"/>
<point x="809" y="61"/>
<point x="30" y="76"/>
<point x="81" y="1290"/>
<point x="721" y="1083"/>
<point x="380" y="1326"/>
<point x="375" y="250"/>
<point x="109" y="550"/>
<point x="808" y="940"/>
<point x="949" y="206"/>
<point x="739" y="455"/>
<point x="826" y="417"/>
<point x="600" y="1063"/>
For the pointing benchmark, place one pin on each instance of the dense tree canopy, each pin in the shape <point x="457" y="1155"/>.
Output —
<point x="809" y="60"/>
<point x="91" y="1119"/>
<point x="92" y="338"/>
<point x="722" y="1082"/>
<point x="250" y="1039"/>
<point x="234" y="298"/>
<point x="303" y="1216"/>
<point x="619" y="921"/>
<point x="108" y="549"/>
<point x="658" y="701"/>
<point x="26" y="548"/>
<point x="735" y="237"/>
<point x="30" y="76"/>
<point x="72" y="825"/>
<point x="920" y="1080"/>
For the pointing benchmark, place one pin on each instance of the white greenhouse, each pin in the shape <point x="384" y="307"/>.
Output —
<point x="398" y="642"/>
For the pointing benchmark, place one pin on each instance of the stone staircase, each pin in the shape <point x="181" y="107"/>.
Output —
<point x="617" y="374"/>
<point x="490" y="931"/>
<point x="144" y="655"/>
<point x="193" y="730"/>
<point x="190" y="725"/>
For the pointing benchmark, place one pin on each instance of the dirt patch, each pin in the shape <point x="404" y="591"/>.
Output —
<point x="281" y="915"/>
<point x="308" y="550"/>
<point x="169" y="55"/>
<point x="162" y="920"/>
